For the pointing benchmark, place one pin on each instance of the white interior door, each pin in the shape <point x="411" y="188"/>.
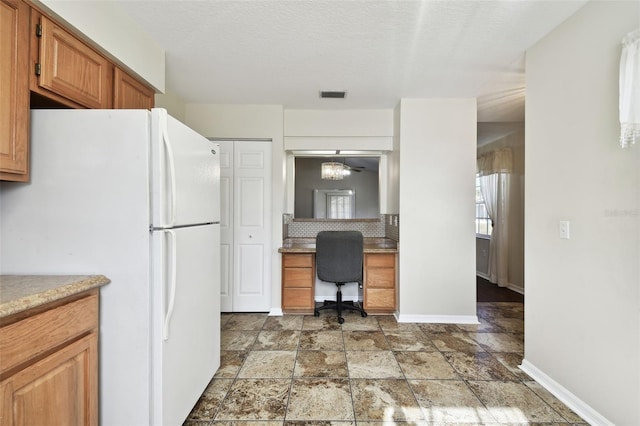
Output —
<point x="245" y="170"/>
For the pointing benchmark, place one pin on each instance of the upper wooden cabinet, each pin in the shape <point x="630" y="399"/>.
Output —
<point x="129" y="93"/>
<point x="42" y="65"/>
<point x="14" y="90"/>
<point x="66" y="66"/>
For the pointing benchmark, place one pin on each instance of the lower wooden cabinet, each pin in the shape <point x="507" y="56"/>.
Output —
<point x="298" y="282"/>
<point x="379" y="282"/>
<point x="49" y="365"/>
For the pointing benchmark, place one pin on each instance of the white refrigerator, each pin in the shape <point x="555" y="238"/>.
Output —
<point x="133" y="195"/>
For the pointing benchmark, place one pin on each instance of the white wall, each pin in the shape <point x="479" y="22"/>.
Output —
<point x="582" y="322"/>
<point x="437" y="201"/>
<point x="338" y="122"/>
<point x="251" y="122"/>
<point x="115" y="33"/>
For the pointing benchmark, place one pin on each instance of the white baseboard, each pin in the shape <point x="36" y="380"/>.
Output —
<point x="438" y="319"/>
<point x="585" y="411"/>
<point x="482" y="275"/>
<point x="516" y="288"/>
<point x="275" y="312"/>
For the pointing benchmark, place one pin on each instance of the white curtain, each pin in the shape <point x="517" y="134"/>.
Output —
<point x="495" y="169"/>
<point x="630" y="89"/>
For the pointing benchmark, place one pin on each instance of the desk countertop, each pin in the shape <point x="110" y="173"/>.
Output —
<point x="308" y="245"/>
<point x="22" y="292"/>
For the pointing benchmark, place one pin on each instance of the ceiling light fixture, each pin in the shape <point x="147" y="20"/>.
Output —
<point x="332" y="171"/>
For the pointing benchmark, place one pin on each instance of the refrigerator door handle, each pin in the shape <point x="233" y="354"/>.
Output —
<point x="172" y="285"/>
<point x="172" y="174"/>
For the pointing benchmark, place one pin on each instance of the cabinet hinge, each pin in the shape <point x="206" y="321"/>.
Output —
<point x="38" y="30"/>
<point x="38" y="69"/>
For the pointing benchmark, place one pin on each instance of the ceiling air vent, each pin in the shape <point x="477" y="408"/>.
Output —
<point x="333" y="94"/>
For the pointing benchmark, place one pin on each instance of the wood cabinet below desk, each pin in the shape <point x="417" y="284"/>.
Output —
<point x="299" y="276"/>
<point x="298" y="279"/>
<point x="380" y="282"/>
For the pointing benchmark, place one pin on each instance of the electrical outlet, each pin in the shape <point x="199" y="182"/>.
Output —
<point x="564" y="229"/>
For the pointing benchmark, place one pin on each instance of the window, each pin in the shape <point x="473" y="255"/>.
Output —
<point x="483" y="221"/>
<point x="339" y="206"/>
<point x="334" y="203"/>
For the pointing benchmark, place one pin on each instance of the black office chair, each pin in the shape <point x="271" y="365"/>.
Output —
<point x="339" y="260"/>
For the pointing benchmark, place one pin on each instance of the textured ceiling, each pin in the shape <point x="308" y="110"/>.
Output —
<point x="285" y="52"/>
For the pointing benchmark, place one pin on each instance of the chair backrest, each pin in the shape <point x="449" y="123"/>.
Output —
<point x="339" y="256"/>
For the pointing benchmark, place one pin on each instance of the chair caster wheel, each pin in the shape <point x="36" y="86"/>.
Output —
<point x="364" y="314"/>
<point x="340" y="320"/>
<point x="316" y="313"/>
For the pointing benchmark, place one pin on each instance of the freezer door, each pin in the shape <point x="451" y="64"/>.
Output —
<point x="185" y="174"/>
<point x="186" y="326"/>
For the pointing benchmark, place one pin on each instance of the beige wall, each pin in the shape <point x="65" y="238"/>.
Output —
<point x="582" y="321"/>
<point x="436" y="198"/>
<point x="173" y="104"/>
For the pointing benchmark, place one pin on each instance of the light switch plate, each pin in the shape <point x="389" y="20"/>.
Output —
<point x="564" y="229"/>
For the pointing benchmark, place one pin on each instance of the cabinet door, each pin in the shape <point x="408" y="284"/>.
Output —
<point x="14" y="90"/>
<point x="380" y="282"/>
<point x="129" y="93"/>
<point x="71" y="69"/>
<point x="61" y="389"/>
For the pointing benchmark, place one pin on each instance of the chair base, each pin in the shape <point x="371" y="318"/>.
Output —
<point x="339" y="305"/>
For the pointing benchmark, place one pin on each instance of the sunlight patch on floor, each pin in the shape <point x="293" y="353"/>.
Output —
<point x="459" y="414"/>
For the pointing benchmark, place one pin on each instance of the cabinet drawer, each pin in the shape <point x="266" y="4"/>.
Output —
<point x="298" y="277"/>
<point x="297" y="260"/>
<point x="35" y="335"/>
<point x="382" y="300"/>
<point x="297" y="299"/>
<point x="381" y="277"/>
<point x="380" y="260"/>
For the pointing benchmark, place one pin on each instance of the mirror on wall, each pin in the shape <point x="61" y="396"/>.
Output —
<point x="356" y="196"/>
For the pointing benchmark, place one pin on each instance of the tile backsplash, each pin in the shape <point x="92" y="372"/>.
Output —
<point x="385" y="227"/>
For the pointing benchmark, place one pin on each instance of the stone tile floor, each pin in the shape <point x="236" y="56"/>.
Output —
<point x="298" y="369"/>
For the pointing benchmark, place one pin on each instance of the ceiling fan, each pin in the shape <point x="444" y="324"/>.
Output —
<point x="349" y="168"/>
<point x="357" y="169"/>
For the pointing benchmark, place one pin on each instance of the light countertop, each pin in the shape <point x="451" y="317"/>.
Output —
<point x="22" y="292"/>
